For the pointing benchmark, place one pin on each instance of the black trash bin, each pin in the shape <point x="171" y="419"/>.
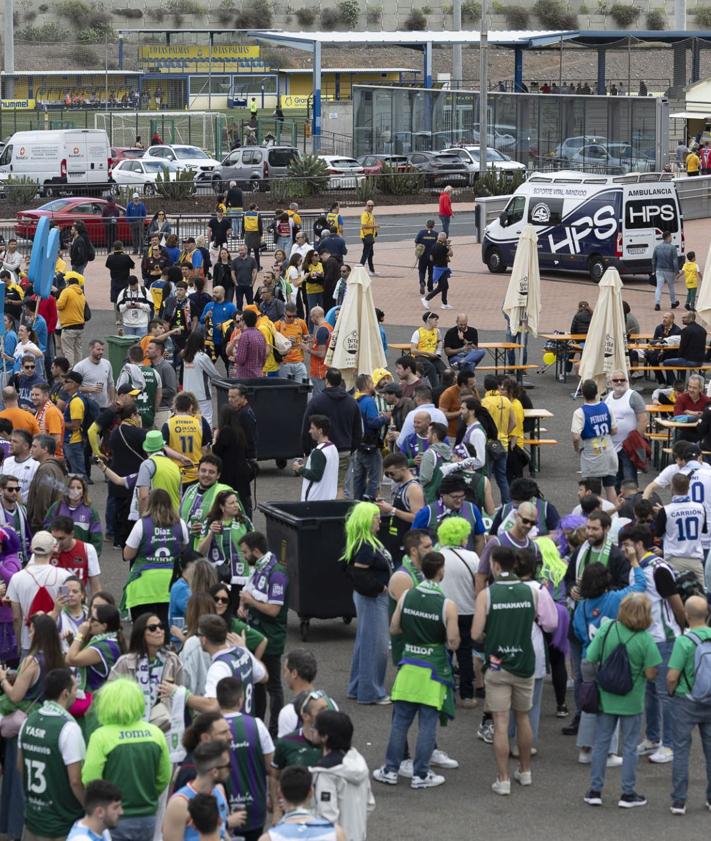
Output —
<point x="309" y="539"/>
<point x="279" y="405"/>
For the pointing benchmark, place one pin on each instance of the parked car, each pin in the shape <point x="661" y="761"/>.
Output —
<point x="613" y="158"/>
<point x="142" y="174"/>
<point x="64" y="212"/>
<point x="120" y="153"/>
<point x="185" y="157"/>
<point x="440" y="168"/>
<point x="373" y="164"/>
<point x="494" y="159"/>
<point x="500" y="137"/>
<point x="344" y="173"/>
<point x="251" y="167"/>
<point x="572" y="145"/>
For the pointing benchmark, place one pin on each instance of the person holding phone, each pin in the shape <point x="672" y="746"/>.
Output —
<point x="70" y="610"/>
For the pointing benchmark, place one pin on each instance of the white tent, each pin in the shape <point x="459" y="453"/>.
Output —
<point x="703" y="296"/>
<point x="522" y="303"/>
<point x="605" y="348"/>
<point x="356" y="346"/>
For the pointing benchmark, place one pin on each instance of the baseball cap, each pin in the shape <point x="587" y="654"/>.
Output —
<point x="43" y="543"/>
<point x="693" y="450"/>
<point x="379" y="373"/>
<point x="74" y="376"/>
<point x="127" y="388"/>
<point x="189" y="239"/>
<point x="136" y="196"/>
<point x="154" y="442"/>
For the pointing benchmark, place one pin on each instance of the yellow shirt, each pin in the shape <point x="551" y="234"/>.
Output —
<point x="499" y="407"/>
<point x="266" y="328"/>
<point x="76" y="413"/>
<point x="517" y="408"/>
<point x="70" y="306"/>
<point x="367" y="224"/>
<point x="693" y="164"/>
<point x="185" y="436"/>
<point x="332" y="219"/>
<point x="691" y="274"/>
<point x="314" y="286"/>
<point x="428" y="339"/>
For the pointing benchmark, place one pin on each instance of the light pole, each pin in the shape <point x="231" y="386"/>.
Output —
<point x="457" y="48"/>
<point x="9" y="46"/>
<point x="483" y="88"/>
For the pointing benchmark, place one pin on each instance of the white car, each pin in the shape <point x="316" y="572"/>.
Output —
<point x="494" y="159"/>
<point x="184" y="157"/>
<point x="345" y="173"/>
<point x="572" y="145"/>
<point x="496" y="136"/>
<point x="141" y="174"/>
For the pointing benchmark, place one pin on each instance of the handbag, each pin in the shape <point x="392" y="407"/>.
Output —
<point x="368" y="239"/>
<point x="588" y="691"/>
<point x="495" y="449"/>
<point x="12" y="723"/>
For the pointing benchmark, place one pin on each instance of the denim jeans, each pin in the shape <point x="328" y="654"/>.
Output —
<point x="313" y="299"/>
<point x="370" y="653"/>
<point x="367" y="473"/>
<point x="625" y="469"/>
<point x="587" y="730"/>
<point x="285" y="244"/>
<point x="687" y="715"/>
<point x="445" y="220"/>
<point x="297" y="370"/>
<point x="404" y="713"/>
<point x="534" y="714"/>
<point x="664" y="276"/>
<point x="630" y="726"/>
<point x="236" y="217"/>
<point x="74" y="457"/>
<point x="498" y="468"/>
<point x="424" y="272"/>
<point x="139" y="332"/>
<point x="366" y="258"/>
<point x="135" y="829"/>
<point x="468" y="359"/>
<point x="657" y="702"/>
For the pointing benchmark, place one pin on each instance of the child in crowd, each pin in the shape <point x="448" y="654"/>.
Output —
<point x="692" y="278"/>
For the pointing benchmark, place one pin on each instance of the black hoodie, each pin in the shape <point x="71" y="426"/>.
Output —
<point x="343" y="412"/>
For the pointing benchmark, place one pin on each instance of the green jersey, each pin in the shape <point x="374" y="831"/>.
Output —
<point x="135" y="758"/>
<point x="146" y="400"/>
<point x="196" y="504"/>
<point x="252" y="638"/>
<point x="512" y="611"/>
<point x="268" y="583"/>
<point x="295" y="749"/>
<point x="50" y="740"/>
<point x="224" y="552"/>
<point x="396" y="641"/>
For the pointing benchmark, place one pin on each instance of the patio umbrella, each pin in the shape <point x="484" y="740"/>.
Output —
<point x="522" y="303"/>
<point x="605" y="347"/>
<point x="356" y="346"/>
<point x="703" y="297"/>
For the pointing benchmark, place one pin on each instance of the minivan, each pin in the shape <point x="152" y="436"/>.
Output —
<point x="588" y="222"/>
<point x="252" y="167"/>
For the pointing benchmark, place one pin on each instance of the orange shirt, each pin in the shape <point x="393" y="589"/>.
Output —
<point x="318" y="364"/>
<point x="297" y="331"/>
<point x="51" y="422"/>
<point x="21" y="419"/>
<point x="451" y="401"/>
<point x="144" y="347"/>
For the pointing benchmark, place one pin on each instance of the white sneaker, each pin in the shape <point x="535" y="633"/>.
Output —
<point x="645" y="747"/>
<point x="383" y="776"/>
<point x="501" y="786"/>
<point x="662" y="755"/>
<point x="430" y="781"/>
<point x="406" y="769"/>
<point x="585" y="757"/>
<point x="515" y="753"/>
<point x="613" y="760"/>
<point x="523" y="778"/>
<point x="425" y="302"/>
<point x="446" y="307"/>
<point x="442" y="760"/>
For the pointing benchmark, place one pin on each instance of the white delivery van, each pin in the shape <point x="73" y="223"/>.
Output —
<point x="56" y="158"/>
<point x="588" y="222"/>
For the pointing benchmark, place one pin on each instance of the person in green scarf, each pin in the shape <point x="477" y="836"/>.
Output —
<point x="424" y="684"/>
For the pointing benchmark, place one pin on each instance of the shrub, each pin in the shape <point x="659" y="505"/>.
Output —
<point x="471" y="11"/>
<point x="128" y="13"/>
<point x="330" y="19"/>
<point x="256" y="15"/>
<point x="46" y="33"/>
<point x="157" y="14"/>
<point x="703" y="16"/>
<point x="30" y="16"/>
<point x="185" y="7"/>
<point x="517" y="17"/>
<point x="74" y="10"/>
<point x="656" y="19"/>
<point x="554" y="15"/>
<point x="310" y="173"/>
<point x="394" y="183"/>
<point x="43" y="7"/>
<point x="182" y="188"/>
<point x="415" y="21"/>
<point x="498" y="183"/>
<point x="624" y="15"/>
<point x="583" y="9"/>
<point x="366" y="188"/>
<point x="349" y="13"/>
<point x="85" y="56"/>
<point x="20" y="190"/>
<point x="306" y="17"/>
<point x="374" y="14"/>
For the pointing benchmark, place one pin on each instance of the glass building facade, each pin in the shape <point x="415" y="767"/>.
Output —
<point x="627" y="133"/>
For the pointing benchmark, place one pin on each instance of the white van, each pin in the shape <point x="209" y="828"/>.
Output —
<point x="58" y="157"/>
<point x="588" y="222"/>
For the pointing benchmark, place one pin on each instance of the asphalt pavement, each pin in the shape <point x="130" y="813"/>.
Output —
<point x="465" y="807"/>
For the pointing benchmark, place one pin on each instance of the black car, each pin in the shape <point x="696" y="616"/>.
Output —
<point x="439" y="168"/>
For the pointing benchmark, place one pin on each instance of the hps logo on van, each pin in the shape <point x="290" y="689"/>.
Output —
<point x="540" y="213"/>
<point x="596" y="218"/>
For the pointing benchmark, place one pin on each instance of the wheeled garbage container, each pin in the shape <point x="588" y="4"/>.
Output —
<point x="309" y="539"/>
<point x="118" y="350"/>
<point x="279" y="404"/>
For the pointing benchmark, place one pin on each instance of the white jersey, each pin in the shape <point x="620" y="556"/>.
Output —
<point x="699" y="474"/>
<point x="685" y="522"/>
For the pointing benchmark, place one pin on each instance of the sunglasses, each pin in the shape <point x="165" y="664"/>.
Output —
<point x="29" y="367"/>
<point x="528" y="522"/>
<point x="619" y="380"/>
<point x="222" y="600"/>
<point x="155" y="626"/>
<point x="13" y="490"/>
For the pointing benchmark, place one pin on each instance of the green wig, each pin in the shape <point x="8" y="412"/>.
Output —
<point x="359" y="529"/>
<point x="120" y="702"/>
<point x="453" y="531"/>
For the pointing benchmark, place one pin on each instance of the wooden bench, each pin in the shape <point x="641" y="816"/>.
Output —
<point x="495" y="368"/>
<point x="534" y="444"/>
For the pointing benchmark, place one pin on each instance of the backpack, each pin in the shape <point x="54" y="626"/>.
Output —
<point x="90" y="252"/>
<point x="701" y="691"/>
<point x="615" y="674"/>
<point x="91" y="412"/>
<point x="687" y="585"/>
<point x="42" y="601"/>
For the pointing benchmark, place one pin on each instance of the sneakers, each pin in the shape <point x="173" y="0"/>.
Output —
<point x="584" y="756"/>
<point x="629" y="801"/>
<point x="613" y="760"/>
<point x="485" y="732"/>
<point x="678" y="807"/>
<point x="675" y="305"/>
<point x="425" y="302"/>
<point x="662" y="755"/>
<point x="523" y="778"/>
<point x="406" y="769"/>
<point x="468" y="703"/>
<point x="502" y="787"/>
<point x="572" y="728"/>
<point x="561" y="711"/>
<point x="384" y="701"/>
<point x="446" y="307"/>
<point x="442" y="760"/>
<point x="387" y="777"/>
<point x="430" y="781"/>
<point x="645" y="747"/>
<point x="514" y="751"/>
<point x="593" y="798"/>
<point x="657" y="307"/>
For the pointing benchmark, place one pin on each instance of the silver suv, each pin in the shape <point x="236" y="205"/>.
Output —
<point x="252" y="167"/>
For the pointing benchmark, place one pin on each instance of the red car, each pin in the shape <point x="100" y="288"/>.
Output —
<point x="373" y="164"/>
<point x="65" y="211"/>
<point x="120" y="153"/>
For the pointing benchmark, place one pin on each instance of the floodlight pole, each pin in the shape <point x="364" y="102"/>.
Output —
<point x="680" y="15"/>
<point x="457" y="48"/>
<point x="9" y="47"/>
<point x="483" y="88"/>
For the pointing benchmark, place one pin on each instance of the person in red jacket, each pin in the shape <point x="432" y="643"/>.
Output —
<point x="445" y="208"/>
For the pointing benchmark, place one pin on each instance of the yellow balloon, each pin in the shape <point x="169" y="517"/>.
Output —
<point x="548" y="358"/>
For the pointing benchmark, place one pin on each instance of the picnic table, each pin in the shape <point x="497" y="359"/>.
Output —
<point x="497" y="350"/>
<point x="536" y="442"/>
